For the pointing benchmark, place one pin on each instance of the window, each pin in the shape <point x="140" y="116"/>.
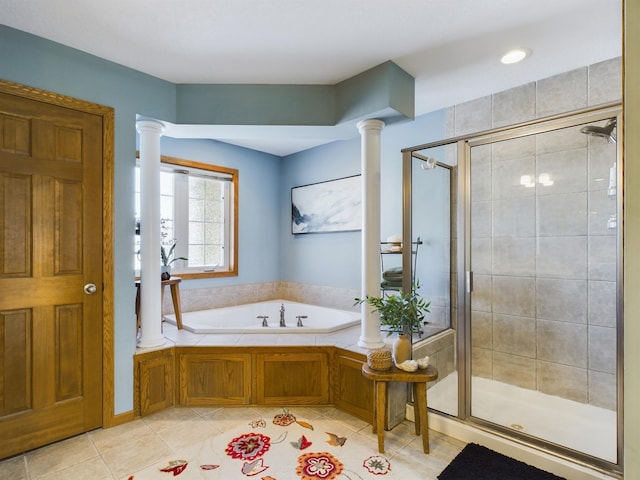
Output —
<point x="198" y="210"/>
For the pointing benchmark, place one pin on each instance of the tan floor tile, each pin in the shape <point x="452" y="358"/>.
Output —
<point x="14" y="468"/>
<point x="187" y="433"/>
<point x="135" y="454"/>
<point x="229" y="418"/>
<point x="60" y="455"/>
<point x="350" y="421"/>
<point x="200" y="435"/>
<point x="170" y="418"/>
<point x="105" y="438"/>
<point x="205" y="411"/>
<point x="94" y="469"/>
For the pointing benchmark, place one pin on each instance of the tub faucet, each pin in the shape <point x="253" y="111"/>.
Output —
<point x="282" y="324"/>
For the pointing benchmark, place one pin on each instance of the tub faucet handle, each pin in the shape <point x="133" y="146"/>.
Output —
<point x="300" y="317"/>
<point x="264" y="320"/>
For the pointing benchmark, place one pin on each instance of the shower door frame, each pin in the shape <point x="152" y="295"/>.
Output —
<point x="465" y="275"/>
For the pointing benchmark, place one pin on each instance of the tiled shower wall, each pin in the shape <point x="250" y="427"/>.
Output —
<point x="544" y="261"/>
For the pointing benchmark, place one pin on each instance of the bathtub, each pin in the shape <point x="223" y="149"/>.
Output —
<point x="244" y="319"/>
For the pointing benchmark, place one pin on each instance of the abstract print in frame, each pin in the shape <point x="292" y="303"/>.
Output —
<point x="332" y="206"/>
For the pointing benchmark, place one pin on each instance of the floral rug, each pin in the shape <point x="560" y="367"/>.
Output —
<point x="280" y="448"/>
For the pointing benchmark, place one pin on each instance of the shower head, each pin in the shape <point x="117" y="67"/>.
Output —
<point x="603" y="132"/>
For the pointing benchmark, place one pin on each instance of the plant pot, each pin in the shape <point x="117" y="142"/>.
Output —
<point x="165" y="272"/>
<point x="401" y="349"/>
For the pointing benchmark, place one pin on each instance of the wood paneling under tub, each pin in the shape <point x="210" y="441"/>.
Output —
<point x="226" y="376"/>
<point x="154" y="381"/>
<point x="292" y="378"/>
<point x="214" y="379"/>
<point x="352" y="392"/>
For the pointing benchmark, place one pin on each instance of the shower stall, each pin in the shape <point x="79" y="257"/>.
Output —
<point x="521" y="258"/>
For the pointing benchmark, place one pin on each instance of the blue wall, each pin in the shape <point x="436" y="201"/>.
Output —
<point x="258" y="207"/>
<point x="333" y="259"/>
<point x="39" y="63"/>
<point x="36" y="62"/>
<point x="268" y="251"/>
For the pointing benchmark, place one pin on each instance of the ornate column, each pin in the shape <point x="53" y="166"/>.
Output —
<point x="150" y="304"/>
<point x="370" y="165"/>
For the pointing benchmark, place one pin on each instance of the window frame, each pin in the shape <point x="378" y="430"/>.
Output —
<point x="233" y="220"/>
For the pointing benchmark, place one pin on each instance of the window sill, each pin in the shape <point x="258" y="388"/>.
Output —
<point x="194" y="275"/>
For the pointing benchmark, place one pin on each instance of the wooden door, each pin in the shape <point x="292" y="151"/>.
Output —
<point x="50" y="253"/>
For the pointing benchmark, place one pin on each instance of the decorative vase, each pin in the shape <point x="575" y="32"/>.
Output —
<point x="165" y="272"/>
<point x="401" y="349"/>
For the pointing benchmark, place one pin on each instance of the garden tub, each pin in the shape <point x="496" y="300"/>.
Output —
<point x="249" y="318"/>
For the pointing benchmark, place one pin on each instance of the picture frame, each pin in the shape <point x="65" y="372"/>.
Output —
<point x="330" y="206"/>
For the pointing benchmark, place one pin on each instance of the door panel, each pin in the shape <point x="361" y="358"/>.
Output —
<point x="50" y="247"/>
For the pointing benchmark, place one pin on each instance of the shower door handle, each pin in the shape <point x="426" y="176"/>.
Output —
<point x="469" y="281"/>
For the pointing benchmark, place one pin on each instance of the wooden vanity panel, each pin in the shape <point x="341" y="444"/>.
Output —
<point x="225" y="376"/>
<point x="214" y="378"/>
<point x="297" y="378"/>
<point x="154" y="381"/>
<point x="352" y="392"/>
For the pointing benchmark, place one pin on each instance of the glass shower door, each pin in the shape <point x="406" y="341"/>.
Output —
<point x="433" y="211"/>
<point x="543" y="248"/>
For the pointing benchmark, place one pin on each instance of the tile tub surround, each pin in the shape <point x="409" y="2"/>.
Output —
<point x="194" y="299"/>
<point x="544" y="261"/>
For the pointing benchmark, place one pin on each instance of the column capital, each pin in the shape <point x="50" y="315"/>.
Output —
<point x="149" y="126"/>
<point x="371" y="124"/>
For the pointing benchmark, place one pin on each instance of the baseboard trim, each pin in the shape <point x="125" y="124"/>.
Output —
<point x="121" y="419"/>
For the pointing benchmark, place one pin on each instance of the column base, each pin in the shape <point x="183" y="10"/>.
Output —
<point x="370" y="343"/>
<point x="151" y="342"/>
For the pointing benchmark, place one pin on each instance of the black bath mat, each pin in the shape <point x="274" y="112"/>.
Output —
<point x="476" y="462"/>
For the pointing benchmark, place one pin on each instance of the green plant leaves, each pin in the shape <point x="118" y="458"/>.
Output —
<point x="403" y="312"/>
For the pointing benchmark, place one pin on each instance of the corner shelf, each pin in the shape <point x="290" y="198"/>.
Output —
<point x="388" y="251"/>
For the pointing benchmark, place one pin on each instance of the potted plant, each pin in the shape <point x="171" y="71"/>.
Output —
<point x="167" y="259"/>
<point x="403" y="313"/>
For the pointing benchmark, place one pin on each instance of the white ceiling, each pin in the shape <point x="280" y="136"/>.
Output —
<point x="451" y="47"/>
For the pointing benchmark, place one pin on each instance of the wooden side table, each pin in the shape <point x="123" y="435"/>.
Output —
<point x="173" y="283"/>
<point x="419" y="379"/>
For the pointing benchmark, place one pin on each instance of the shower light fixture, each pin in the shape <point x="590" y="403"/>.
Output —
<point x="515" y="55"/>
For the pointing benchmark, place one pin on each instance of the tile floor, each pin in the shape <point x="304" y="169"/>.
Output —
<point x="138" y="450"/>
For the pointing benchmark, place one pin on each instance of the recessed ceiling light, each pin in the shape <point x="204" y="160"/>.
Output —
<point x="515" y="55"/>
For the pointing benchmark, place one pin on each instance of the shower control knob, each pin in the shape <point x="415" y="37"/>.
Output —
<point x="90" y="289"/>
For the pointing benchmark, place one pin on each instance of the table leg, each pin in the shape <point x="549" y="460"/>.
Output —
<point x="374" y="423"/>
<point x="381" y="402"/>
<point x="175" y="297"/>
<point x="421" y="402"/>
<point x="137" y="308"/>
<point x="416" y="408"/>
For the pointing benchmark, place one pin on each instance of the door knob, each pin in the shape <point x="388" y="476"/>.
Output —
<point x="90" y="289"/>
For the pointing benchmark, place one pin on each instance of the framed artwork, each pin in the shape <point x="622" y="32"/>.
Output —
<point x="332" y="206"/>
